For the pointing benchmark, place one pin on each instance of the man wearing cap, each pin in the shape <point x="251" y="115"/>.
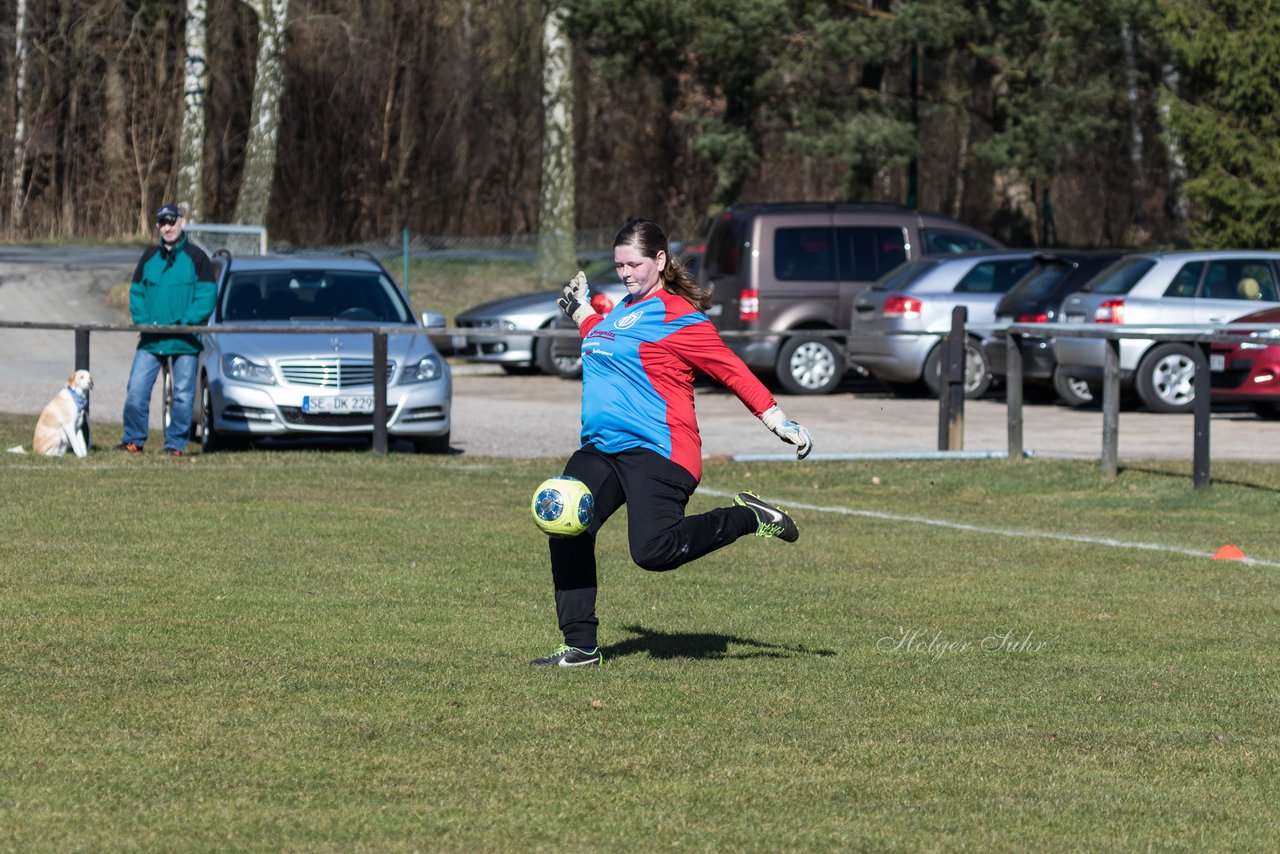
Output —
<point x="173" y="285"/>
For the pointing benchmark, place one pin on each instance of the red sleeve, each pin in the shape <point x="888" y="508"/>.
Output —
<point x="590" y="323"/>
<point x="703" y="348"/>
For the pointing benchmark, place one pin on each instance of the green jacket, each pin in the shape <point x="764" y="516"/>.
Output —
<point x="172" y="286"/>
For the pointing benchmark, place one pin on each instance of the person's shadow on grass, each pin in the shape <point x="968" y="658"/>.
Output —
<point x="703" y="645"/>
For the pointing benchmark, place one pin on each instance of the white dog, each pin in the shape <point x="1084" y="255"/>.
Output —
<point x="61" y="423"/>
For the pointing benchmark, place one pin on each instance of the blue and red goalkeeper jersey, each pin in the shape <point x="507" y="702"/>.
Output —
<point x="638" y="365"/>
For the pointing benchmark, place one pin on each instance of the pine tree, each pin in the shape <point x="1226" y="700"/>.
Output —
<point x="1225" y="112"/>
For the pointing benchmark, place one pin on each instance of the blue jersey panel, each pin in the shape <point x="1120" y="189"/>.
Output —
<point x="621" y="409"/>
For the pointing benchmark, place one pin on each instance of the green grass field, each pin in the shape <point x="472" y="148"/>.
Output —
<point x="314" y="650"/>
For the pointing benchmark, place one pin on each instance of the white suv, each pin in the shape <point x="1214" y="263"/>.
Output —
<point x="1162" y="289"/>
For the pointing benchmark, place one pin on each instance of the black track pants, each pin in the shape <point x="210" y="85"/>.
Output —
<point x="661" y="537"/>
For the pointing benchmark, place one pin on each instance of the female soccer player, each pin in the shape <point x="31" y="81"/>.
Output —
<point x="640" y="440"/>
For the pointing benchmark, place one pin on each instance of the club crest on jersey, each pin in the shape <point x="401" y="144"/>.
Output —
<point x="630" y="320"/>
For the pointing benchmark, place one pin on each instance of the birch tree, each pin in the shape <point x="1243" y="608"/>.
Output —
<point x="194" y="86"/>
<point x="557" y="259"/>
<point x="19" y="122"/>
<point x="264" y="123"/>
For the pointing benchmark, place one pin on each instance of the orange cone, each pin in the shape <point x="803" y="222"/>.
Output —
<point x="1228" y="552"/>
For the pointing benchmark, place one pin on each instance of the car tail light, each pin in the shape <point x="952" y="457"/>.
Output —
<point x="601" y="303"/>
<point x="749" y="304"/>
<point x="900" y="306"/>
<point x="1033" y="318"/>
<point x="1111" y="311"/>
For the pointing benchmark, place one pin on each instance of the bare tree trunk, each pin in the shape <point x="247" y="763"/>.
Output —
<point x="264" y="123"/>
<point x="965" y="119"/>
<point x="19" y="119"/>
<point x="1135" y="122"/>
<point x="195" y="84"/>
<point x="115" y="154"/>
<point x="70" y="162"/>
<point x="1177" y="176"/>
<point x="407" y="149"/>
<point x="557" y="259"/>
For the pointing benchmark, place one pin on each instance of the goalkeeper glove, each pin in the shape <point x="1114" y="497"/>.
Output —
<point x="788" y="431"/>
<point x="574" y="301"/>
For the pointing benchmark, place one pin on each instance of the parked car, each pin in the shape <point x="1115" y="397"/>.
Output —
<point x="1163" y="289"/>
<point x="1249" y="372"/>
<point x="781" y="268"/>
<point x="1037" y="298"/>
<point x="257" y="385"/>
<point x="521" y="352"/>
<point x="919" y="297"/>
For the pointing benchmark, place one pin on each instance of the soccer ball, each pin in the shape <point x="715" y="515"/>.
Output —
<point x="562" y="507"/>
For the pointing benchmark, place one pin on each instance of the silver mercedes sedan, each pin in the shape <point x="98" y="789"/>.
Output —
<point x="258" y="385"/>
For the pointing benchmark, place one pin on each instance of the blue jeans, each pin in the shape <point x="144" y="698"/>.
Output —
<point x="137" y="401"/>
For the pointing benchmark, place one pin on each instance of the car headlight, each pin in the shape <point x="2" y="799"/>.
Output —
<point x="426" y="369"/>
<point x="242" y="370"/>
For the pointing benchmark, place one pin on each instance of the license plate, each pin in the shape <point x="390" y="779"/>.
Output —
<point x="338" y="405"/>
<point x="459" y="342"/>
<point x="1075" y="318"/>
<point x="1217" y="361"/>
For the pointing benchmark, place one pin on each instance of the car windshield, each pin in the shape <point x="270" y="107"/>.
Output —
<point x="351" y="295"/>
<point x="1040" y="282"/>
<point x="941" y="242"/>
<point x="1120" y="277"/>
<point x="904" y="274"/>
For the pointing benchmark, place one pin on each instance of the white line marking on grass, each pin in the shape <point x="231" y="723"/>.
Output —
<point x="1000" y="532"/>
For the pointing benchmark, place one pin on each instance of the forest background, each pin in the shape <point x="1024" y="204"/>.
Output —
<point x="1087" y="123"/>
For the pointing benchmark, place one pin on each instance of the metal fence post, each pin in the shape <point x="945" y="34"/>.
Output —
<point x="379" y="392"/>
<point x="1203" y="404"/>
<point x="82" y="349"/>
<point x="1111" y="408"/>
<point x="1013" y="392"/>
<point x="82" y="364"/>
<point x="951" y="387"/>
<point x="944" y="398"/>
<point x="406" y="262"/>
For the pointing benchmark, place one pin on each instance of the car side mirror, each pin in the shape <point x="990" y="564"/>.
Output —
<point x="433" y="320"/>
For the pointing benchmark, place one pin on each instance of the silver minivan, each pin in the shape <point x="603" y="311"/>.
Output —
<point x="1162" y="289"/>
<point x="788" y="267"/>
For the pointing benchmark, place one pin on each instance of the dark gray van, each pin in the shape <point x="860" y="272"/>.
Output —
<point x="786" y="267"/>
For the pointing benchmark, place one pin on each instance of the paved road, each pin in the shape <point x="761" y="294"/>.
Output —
<point x="63" y="286"/>
<point x="496" y="414"/>
<point x="857" y="420"/>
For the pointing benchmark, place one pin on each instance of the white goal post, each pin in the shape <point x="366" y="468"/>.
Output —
<point x="237" y="239"/>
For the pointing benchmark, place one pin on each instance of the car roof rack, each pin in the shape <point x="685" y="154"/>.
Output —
<point x="222" y="252"/>
<point x="365" y="253"/>
<point x="825" y="206"/>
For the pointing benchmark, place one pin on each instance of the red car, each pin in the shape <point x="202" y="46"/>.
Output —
<point x="1249" y="372"/>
